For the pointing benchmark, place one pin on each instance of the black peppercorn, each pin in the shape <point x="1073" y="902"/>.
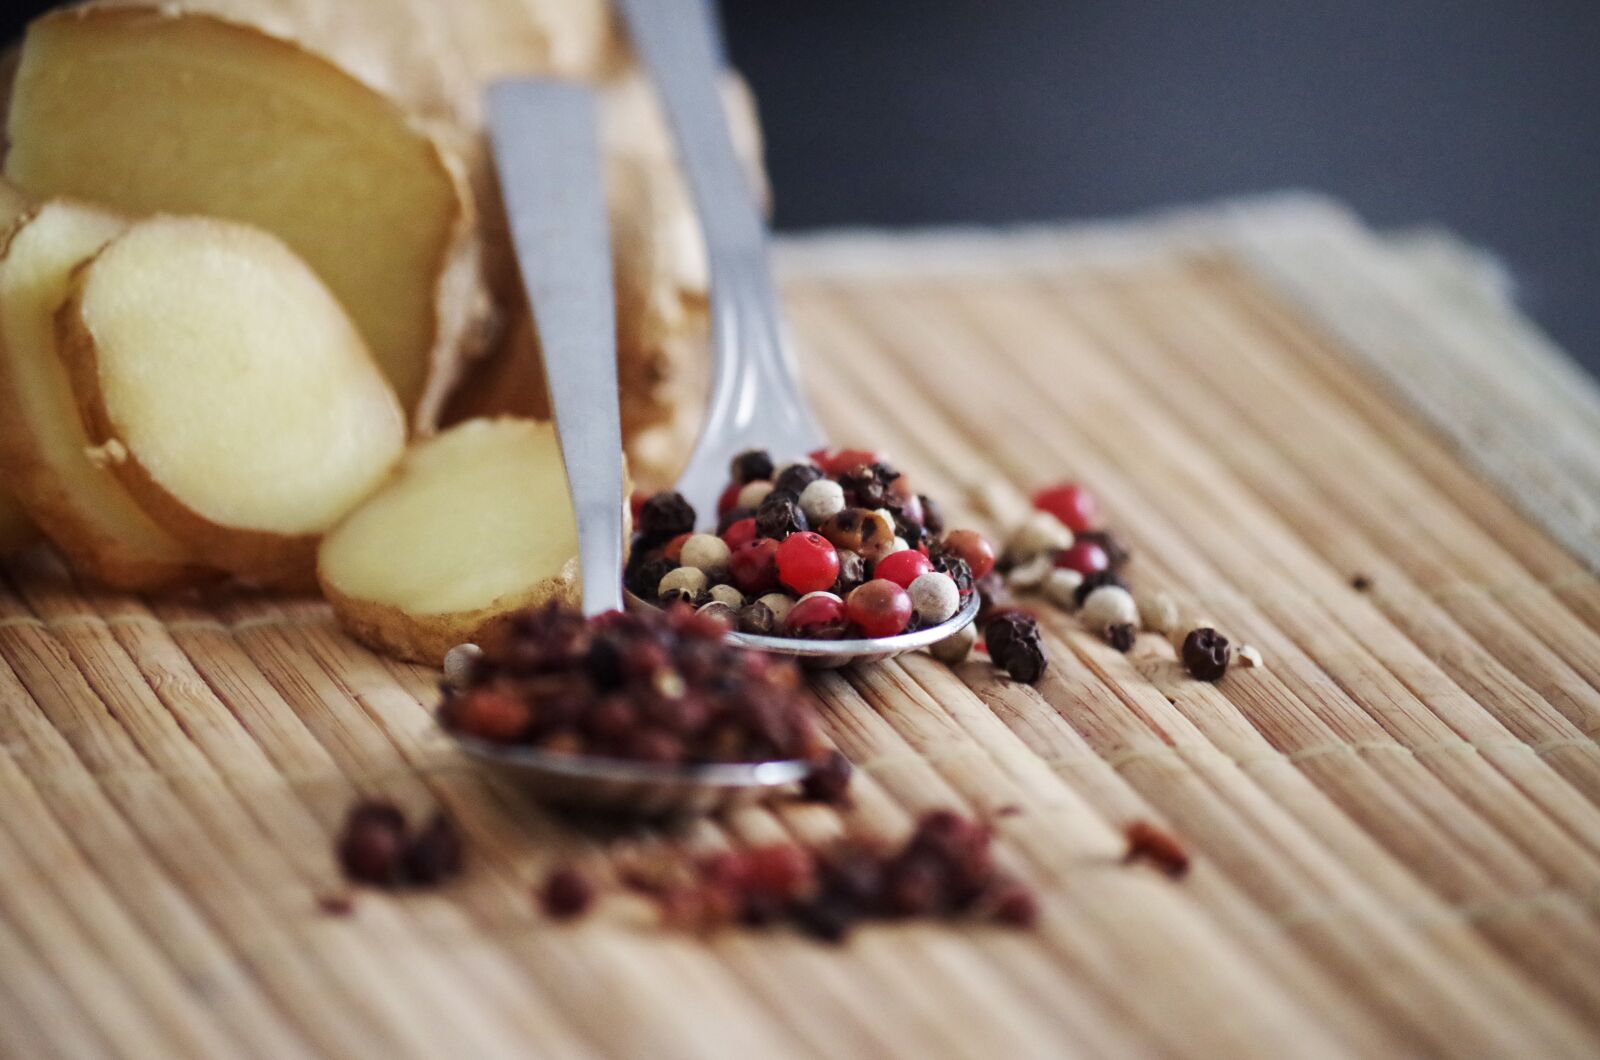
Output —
<point x="862" y="487"/>
<point x="567" y="893"/>
<point x="644" y="577"/>
<point x="1121" y="636"/>
<point x="932" y="514"/>
<point x="994" y="595"/>
<point x="1013" y="641"/>
<point x="664" y="516"/>
<point x="780" y="515"/>
<point x="372" y="846"/>
<point x="1206" y="654"/>
<point x="852" y="572"/>
<point x="1093" y="581"/>
<point x="946" y="562"/>
<point x="435" y="855"/>
<point x="750" y="466"/>
<point x="796" y="477"/>
<point x="759" y="619"/>
<point x="829" y="778"/>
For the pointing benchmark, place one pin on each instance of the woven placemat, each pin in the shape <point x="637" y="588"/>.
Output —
<point x="1395" y="824"/>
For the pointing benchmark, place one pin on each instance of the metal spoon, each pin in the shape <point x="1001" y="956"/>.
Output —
<point x="756" y="397"/>
<point x="547" y="155"/>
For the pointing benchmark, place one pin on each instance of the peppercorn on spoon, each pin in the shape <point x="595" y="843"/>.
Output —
<point x="756" y="397"/>
<point x="547" y="157"/>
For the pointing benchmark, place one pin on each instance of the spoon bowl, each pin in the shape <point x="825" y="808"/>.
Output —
<point x="642" y="789"/>
<point x="833" y="654"/>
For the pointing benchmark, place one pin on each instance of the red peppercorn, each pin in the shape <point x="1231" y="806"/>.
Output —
<point x="753" y="566"/>
<point x="636" y="501"/>
<point x="490" y="714"/>
<point x="903" y="567"/>
<point x="780" y="872"/>
<point x="1085" y="557"/>
<point x="972" y="547"/>
<point x="729" y="498"/>
<point x="842" y="460"/>
<point x="807" y="562"/>
<point x="673" y="549"/>
<point x="880" y="607"/>
<point x="820" y="617"/>
<point x="740" y="533"/>
<point x="1071" y="503"/>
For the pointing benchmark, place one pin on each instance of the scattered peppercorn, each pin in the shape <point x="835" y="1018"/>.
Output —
<point x="1121" y="636"/>
<point x="1206" y="654"/>
<point x="1147" y="842"/>
<point x="751" y="465"/>
<point x="932" y="514"/>
<point x="566" y="893"/>
<point x="377" y="847"/>
<point x="944" y="869"/>
<point x="1014" y="645"/>
<point x="1360" y="583"/>
<point x="829" y="779"/>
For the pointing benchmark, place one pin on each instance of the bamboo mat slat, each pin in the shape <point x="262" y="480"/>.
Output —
<point x="1395" y="824"/>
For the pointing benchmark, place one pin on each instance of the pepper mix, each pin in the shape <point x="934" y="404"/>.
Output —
<point x="831" y="546"/>
<point x="945" y="869"/>
<point x="653" y="686"/>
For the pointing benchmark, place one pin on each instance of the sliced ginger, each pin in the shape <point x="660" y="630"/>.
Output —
<point x="151" y="110"/>
<point x="44" y="450"/>
<point x="228" y="390"/>
<point x="476" y="524"/>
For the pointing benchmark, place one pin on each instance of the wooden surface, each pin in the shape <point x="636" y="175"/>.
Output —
<point x="1396" y="823"/>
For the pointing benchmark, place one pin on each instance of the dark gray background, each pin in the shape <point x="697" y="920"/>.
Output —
<point x="1480" y="114"/>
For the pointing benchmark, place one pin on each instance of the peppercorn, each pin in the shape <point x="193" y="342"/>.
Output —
<point x="1106" y="606"/>
<point x="1061" y="587"/>
<point x="1158" y="612"/>
<point x="852" y="572"/>
<point x="372" y="846"/>
<point x="435" y="855"/>
<point x="993" y="596"/>
<point x="862" y="487"/>
<point x="794" y="478"/>
<point x="1014" y="645"/>
<point x="1206" y="654"/>
<point x="1360" y="582"/>
<point x="733" y="515"/>
<point x="751" y="494"/>
<point x="665" y="516"/>
<point x="1248" y="657"/>
<point x="1040" y="533"/>
<point x="750" y="465"/>
<point x="644" y="578"/>
<point x="719" y="611"/>
<point x="946" y="562"/>
<point x="829" y="778"/>
<point x="934" y="597"/>
<point x="567" y="893"/>
<point x="1121" y="636"/>
<point x="1147" y="842"/>
<point x="706" y="552"/>
<point x="1031" y="573"/>
<point x="779" y="515"/>
<point x="860" y="530"/>
<point x="821" y="500"/>
<point x="932" y="514"/>
<point x="1117" y="554"/>
<point x="682" y="583"/>
<point x="1097" y="580"/>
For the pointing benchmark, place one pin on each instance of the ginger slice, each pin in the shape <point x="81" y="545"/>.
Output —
<point x="188" y="113"/>
<point x="45" y="452"/>
<point x="228" y="390"/>
<point x="477" y="524"/>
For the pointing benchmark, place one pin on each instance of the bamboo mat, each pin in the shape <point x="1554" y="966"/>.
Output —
<point x="1396" y="823"/>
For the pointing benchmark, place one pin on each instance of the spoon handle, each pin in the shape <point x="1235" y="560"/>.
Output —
<point x="756" y="398"/>
<point x="547" y="155"/>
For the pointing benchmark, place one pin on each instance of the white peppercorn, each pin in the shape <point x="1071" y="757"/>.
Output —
<point x="727" y="594"/>
<point x="1107" y="606"/>
<point x="820" y="499"/>
<point x="899" y="544"/>
<point x="1030" y="574"/>
<point x="705" y="552"/>
<point x="1248" y="657"/>
<point x="719" y="610"/>
<point x="934" y="597"/>
<point x="954" y="649"/>
<point x="1158" y="611"/>
<point x="751" y="494"/>
<point x="779" y="604"/>
<point x="688" y="581"/>
<point x="1039" y="533"/>
<point x="458" y="663"/>
<point x="1061" y="587"/>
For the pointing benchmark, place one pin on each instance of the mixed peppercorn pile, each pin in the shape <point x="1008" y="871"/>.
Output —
<point x="831" y="546"/>
<point x="652" y="686"/>
<point x="945" y="869"/>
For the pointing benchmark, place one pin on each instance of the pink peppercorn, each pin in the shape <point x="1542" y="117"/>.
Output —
<point x="807" y="562"/>
<point x="903" y="567"/>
